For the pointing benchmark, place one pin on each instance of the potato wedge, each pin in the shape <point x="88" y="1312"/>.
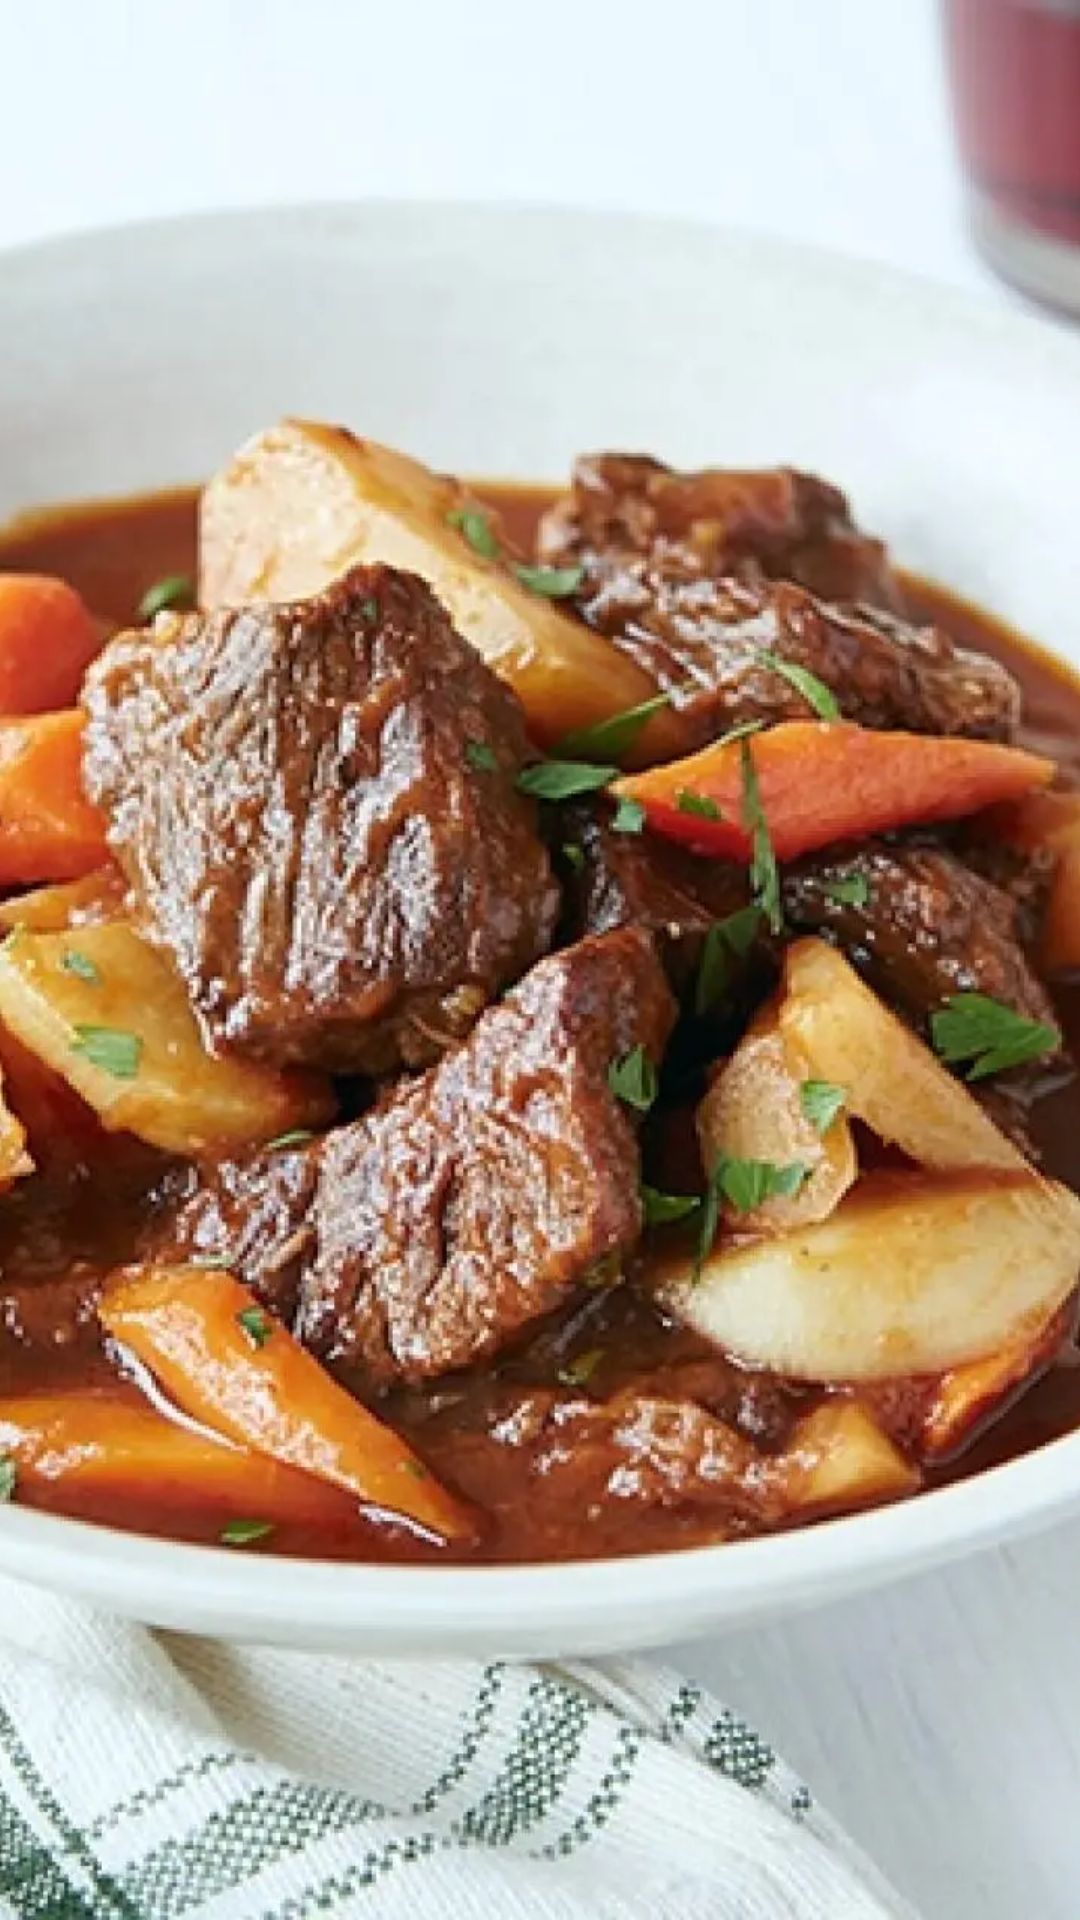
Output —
<point x="914" y="1273"/>
<point x="302" y="502"/>
<point x="96" y="897"/>
<point x="753" y="1111"/>
<point x="106" y="1012"/>
<point x="839" y="1457"/>
<point x="836" y="1029"/>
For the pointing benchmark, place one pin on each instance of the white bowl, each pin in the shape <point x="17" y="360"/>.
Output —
<point x="501" y="343"/>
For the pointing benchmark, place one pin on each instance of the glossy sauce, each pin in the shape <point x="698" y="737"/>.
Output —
<point x="112" y="552"/>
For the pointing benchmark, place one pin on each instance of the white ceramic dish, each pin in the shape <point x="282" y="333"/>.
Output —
<point x="502" y="342"/>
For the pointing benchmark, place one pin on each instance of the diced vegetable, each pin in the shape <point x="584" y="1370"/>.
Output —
<point x="839" y="1457"/>
<point x="105" y="1011"/>
<point x="47" y="641"/>
<point x="96" y="897"/>
<point x="913" y="1273"/>
<point x="48" y="828"/>
<point x="97" y="1442"/>
<point x="967" y="1396"/>
<point x="184" y="1324"/>
<point x="821" y="782"/>
<point x="301" y="503"/>
<point x="754" y="1111"/>
<point x="836" y="1029"/>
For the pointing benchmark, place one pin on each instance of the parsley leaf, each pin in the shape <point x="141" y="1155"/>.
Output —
<point x="662" y="1208"/>
<point x="176" y="593"/>
<point x="481" y="757"/>
<point x="745" y="1184"/>
<point x="629" y="817"/>
<point x="555" y="583"/>
<point x="814" y="691"/>
<point x="610" y="739"/>
<point x="255" y="1325"/>
<point x="710" y="1219"/>
<point x="562" y="779"/>
<point x="698" y="804"/>
<point x="113" y="1049"/>
<point x="741" y="732"/>
<point x="849" y="890"/>
<point x="972" y="1026"/>
<point x="8" y="1476"/>
<point x="240" y="1533"/>
<point x="369" y="609"/>
<point x="477" y="530"/>
<point x="764" y="877"/>
<point x="726" y="940"/>
<point x="81" y="965"/>
<point x="578" y="1371"/>
<point x="821" y="1101"/>
<point x="298" y="1137"/>
<point x="573" y="855"/>
<point x="633" y="1079"/>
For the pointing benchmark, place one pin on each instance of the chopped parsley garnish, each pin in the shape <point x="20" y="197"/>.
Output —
<point x="241" y="1533"/>
<point x="814" y="691"/>
<point x="8" y="1477"/>
<point x="993" y="1037"/>
<point x="610" y="739"/>
<point x="849" y="890"/>
<point x="477" y="530"/>
<point x="578" y="1371"/>
<point x="298" y="1137"/>
<point x="554" y="583"/>
<point x="698" y="804"/>
<point x="81" y="965"/>
<point x="764" y="876"/>
<point x="821" y="1101"/>
<point x="573" y="855"/>
<point x="113" y="1049"/>
<point x="745" y="1184"/>
<point x="633" y="1079"/>
<point x="726" y="940"/>
<point x="176" y="593"/>
<point x="255" y="1325"/>
<point x="369" y="609"/>
<point x="742" y="732"/>
<point x="660" y="1209"/>
<point x="481" y="757"/>
<point x="562" y="779"/>
<point x="629" y="817"/>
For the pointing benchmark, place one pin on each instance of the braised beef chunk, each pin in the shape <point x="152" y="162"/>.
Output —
<point x="617" y="879"/>
<point x="774" y="523"/>
<point x="315" y="806"/>
<point x="473" y="1201"/>
<point x="919" y="923"/>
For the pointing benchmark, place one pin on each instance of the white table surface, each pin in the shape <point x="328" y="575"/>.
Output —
<point x="939" y="1719"/>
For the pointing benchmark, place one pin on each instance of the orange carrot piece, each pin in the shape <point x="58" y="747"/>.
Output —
<point x="47" y="640"/>
<point x="99" y="1443"/>
<point x="264" y="1391"/>
<point x="825" y="781"/>
<point x="48" y="828"/>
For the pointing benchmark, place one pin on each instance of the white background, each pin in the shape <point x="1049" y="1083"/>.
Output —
<point x="938" y="1720"/>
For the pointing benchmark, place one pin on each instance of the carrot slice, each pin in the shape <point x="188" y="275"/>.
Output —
<point x="97" y="1443"/>
<point x="825" y="781"/>
<point x="48" y="828"/>
<point x="47" y="640"/>
<point x="248" y="1379"/>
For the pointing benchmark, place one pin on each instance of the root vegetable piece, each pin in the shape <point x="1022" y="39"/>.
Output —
<point x="47" y="641"/>
<point x="96" y="897"/>
<point x="106" y="1012"/>
<point x="968" y="1396"/>
<point x="301" y="503"/>
<point x="836" y="1029"/>
<point x="913" y="1273"/>
<point x="228" y="1363"/>
<point x="48" y="828"/>
<point x="753" y="1111"/>
<point x="839" y="1457"/>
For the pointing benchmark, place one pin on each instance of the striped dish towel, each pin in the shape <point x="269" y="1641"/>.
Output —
<point x="153" y="1777"/>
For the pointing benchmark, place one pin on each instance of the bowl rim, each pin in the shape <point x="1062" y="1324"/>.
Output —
<point x="173" y="1582"/>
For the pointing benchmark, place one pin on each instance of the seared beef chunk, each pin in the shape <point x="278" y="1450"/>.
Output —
<point x="315" y="806"/>
<point x="919" y="923"/>
<point x="774" y="523"/>
<point x="257" y="1209"/>
<point x="475" y="1199"/>
<point x="673" y="605"/>
<point x="618" y="879"/>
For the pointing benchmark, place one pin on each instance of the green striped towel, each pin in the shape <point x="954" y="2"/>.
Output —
<point x="153" y="1777"/>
